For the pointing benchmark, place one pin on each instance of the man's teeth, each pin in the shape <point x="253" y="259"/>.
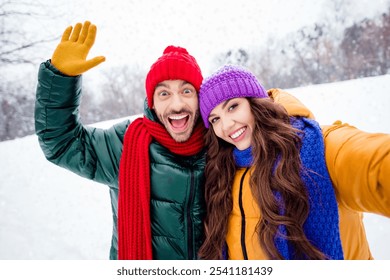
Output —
<point x="177" y="117"/>
<point x="237" y="133"/>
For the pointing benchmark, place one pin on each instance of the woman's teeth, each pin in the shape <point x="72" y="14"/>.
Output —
<point x="238" y="133"/>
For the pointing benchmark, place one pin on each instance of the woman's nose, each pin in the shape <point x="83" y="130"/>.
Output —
<point x="227" y="123"/>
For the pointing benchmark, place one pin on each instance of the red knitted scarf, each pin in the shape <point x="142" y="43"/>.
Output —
<point x="134" y="228"/>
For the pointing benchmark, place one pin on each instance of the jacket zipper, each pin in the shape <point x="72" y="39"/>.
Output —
<point x="243" y="223"/>
<point x="189" y="220"/>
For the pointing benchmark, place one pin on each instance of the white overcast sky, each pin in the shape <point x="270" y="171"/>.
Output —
<point x="138" y="31"/>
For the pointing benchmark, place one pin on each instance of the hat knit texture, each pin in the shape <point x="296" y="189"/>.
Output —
<point x="175" y="64"/>
<point x="228" y="82"/>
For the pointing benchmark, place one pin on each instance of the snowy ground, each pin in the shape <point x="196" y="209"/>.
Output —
<point x="49" y="213"/>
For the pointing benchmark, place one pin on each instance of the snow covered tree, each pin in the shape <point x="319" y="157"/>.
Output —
<point x="15" y="42"/>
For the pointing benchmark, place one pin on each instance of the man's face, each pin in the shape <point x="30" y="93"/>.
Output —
<point x="176" y="106"/>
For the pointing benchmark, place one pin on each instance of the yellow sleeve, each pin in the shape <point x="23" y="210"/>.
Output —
<point x="293" y="106"/>
<point x="353" y="235"/>
<point x="359" y="166"/>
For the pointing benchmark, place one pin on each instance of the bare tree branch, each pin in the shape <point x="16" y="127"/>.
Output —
<point x="26" y="46"/>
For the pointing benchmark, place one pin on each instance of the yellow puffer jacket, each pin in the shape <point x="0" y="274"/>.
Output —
<point x="359" y="167"/>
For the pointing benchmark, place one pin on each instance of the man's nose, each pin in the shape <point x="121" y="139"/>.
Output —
<point x="177" y="101"/>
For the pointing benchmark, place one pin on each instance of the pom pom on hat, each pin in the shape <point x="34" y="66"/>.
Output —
<point x="175" y="64"/>
<point x="228" y="82"/>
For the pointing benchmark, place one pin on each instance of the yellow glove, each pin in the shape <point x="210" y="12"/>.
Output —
<point x="70" y="56"/>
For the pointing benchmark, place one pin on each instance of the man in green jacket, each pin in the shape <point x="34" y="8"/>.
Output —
<point x="154" y="166"/>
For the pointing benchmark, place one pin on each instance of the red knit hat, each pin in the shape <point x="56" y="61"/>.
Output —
<point x="175" y="64"/>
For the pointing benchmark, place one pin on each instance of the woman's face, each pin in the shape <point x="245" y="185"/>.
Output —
<point x="233" y="121"/>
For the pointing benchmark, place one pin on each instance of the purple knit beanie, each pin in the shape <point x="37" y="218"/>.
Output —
<point x="228" y="82"/>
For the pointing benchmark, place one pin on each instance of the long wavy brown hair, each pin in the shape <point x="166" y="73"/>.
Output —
<point x="277" y="169"/>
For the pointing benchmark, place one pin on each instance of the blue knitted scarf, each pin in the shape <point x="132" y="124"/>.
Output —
<point x="322" y="224"/>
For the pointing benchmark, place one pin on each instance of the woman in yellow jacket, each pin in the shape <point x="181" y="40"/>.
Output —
<point x="279" y="187"/>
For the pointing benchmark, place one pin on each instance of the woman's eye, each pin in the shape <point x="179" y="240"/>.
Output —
<point x="232" y="107"/>
<point x="213" y="120"/>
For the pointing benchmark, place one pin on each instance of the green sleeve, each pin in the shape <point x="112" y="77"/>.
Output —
<point x="90" y="152"/>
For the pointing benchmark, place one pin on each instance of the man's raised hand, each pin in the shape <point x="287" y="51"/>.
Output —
<point x="70" y="56"/>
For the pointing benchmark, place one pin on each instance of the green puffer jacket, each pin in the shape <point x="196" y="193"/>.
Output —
<point x="177" y="205"/>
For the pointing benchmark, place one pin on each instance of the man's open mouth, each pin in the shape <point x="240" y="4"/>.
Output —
<point x="179" y="122"/>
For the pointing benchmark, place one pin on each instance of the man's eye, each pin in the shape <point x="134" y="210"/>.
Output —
<point x="163" y="93"/>
<point x="187" y="91"/>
